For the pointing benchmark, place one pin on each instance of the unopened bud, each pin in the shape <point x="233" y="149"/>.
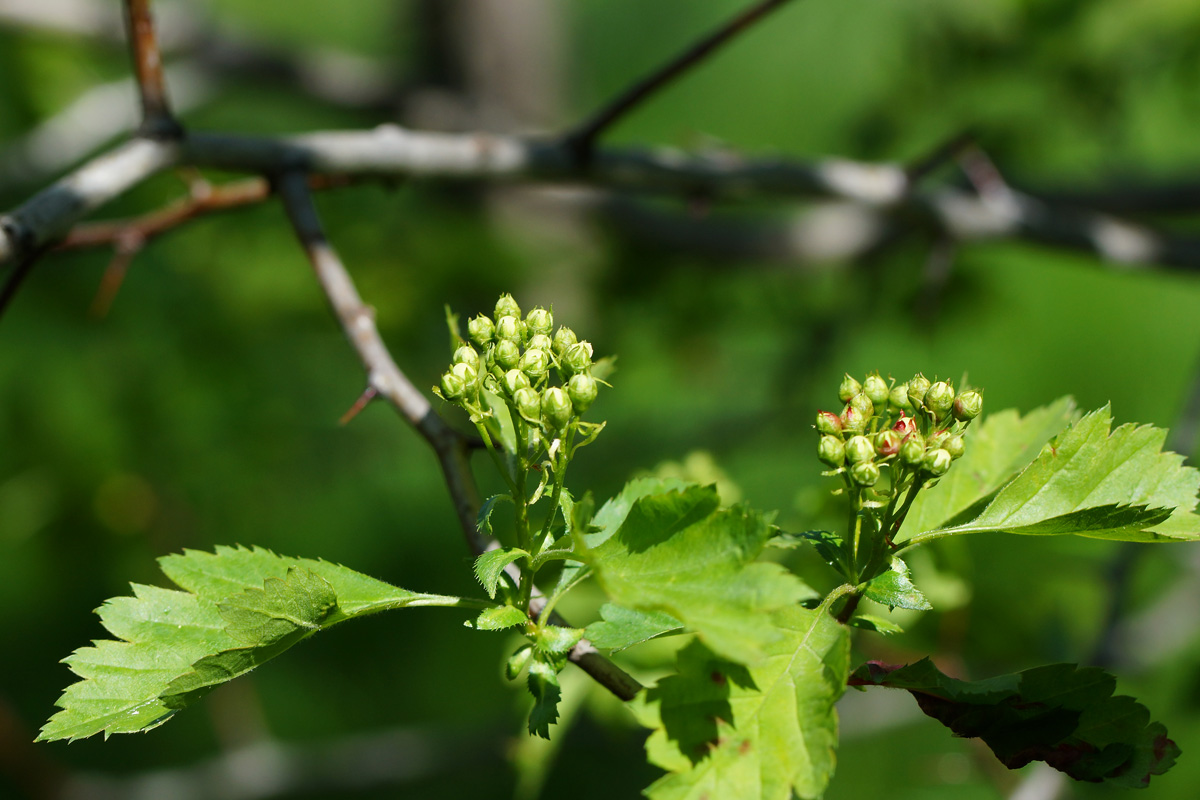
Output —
<point x="865" y="473"/>
<point x="556" y="408"/>
<point x="912" y="450"/>
<point x="578" y="357"/>
<point x="876" y="388"/>
<point x="905" y="426"/>
<point x="508" y="328"/>
<point x="848" y="389"/>
<point x="853" y="420"/>
<point x="540" y="341"/>
<point x="917" y="388"/>
<point x="528" y="403"/>
<point x="534" y="363"/>
<point x="467" y="355"/>
<point x="452" y="386"/>
<point x="506" y="353"/>
<point x="506" y="306"/>
<point x="563" y="339"/>
<point x="540" y="320"/>
<point x="582" y="389"/>
<point x="859" y="448"/>
<point x="514" y="379"/>
<point x="887" y="443"/>
<point x="467" y="374"/>
<point x="939" y="398"/>
<point x="863" y="404"/>
<point x="898" y="397"/>
<point x="954" y="446"/>
<point x="829" y="423"/>
<point x="937" y="462"/>
<point x="831" y="451"/>
<point x="481" y="330"/>
<point x="968" y="405"/>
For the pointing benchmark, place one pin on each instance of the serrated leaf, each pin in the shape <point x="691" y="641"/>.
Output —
<point x="489" y="567"/>
<point x="557" y="639"/>
<point x="870" y="622"/>
<point x="517" y="661"/>
<point x="1062" y="714"/>
<point x="605" y="522"/>
<point x="725" y="730"/>
<point x="483" y="520"/>
<point x="827" y="544"/>
<point x="895" y="589"/>
<point x="543" y="685"/>
<point x="622" y="627"/>
<point x="1094" y="483"/>
<point x="679" y="553"/>
<point x="499" y="618"/>
<point x="998" y="446"/>
<point x="240" y="608"/>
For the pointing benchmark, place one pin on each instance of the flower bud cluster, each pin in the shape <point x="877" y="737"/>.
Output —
<point x="914" y="428"/>
<point x="544" y="376"/>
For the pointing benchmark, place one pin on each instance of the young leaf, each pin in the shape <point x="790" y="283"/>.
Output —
<point x="490" y="566"/>
<point x="622" y="627"/>
<point x="543" y="685"/>
<point x="499" y="618"/>
<point x="240" y="608"/>
<point x="724" y="730"/>
<point x="608" y="519"/>
<point x="679" y="553"/>
<point x="1062" y="714"/>
<point x="1094" y="483"/>
<point x="557" y="639"/>
<point x="483" y="520"/>
<point x="895" y="589"/>
<point x="998" y="446"/>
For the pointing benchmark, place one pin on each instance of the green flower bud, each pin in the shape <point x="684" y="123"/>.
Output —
<point x="467" y="355"/>
<point x="563" y="339"/>
<point x="853" y="420"/>
<point x="887" y="443"/>
<point x="917" y="388"/>
<point x="968" y="405"/>
<point x="859" y="448"/>
<point x="865" y="473"/>
<point x="937" y="462"/>
<point x="937" y="439"/>
<point x="556" y="408"/>
<point x="582" y="389"/>
<point x="876" y="388"/>
<point x="829" y="423"/>
<point x="540" y="321"/>
<point x="528" y="403"/>
<point x="452" y="386"/>
<point x="912" y="451"/>
<point x="534" y="364"/>
<point x="509" y="329"/>
<point x="540" y="341"/>
<point x="506" y="353"/>
<point x="831" y="451"/>
<point x="507" y="307"/>
<point x="898" y="397"/>
<point x="864" y="405"/>
<point x="954" y="446"/>
<point x="939" y="398"/>
<point x="481" y="330"/>
<point x="848" y="389"/>
<point x="468" y="375"/>
<point x="578" y="357"/>
<point x="514" y="379"/>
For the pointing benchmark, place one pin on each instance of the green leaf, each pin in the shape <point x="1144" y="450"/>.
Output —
<point x="483" y="520"/>
<point x="870" y="622"/>
<point x="1093" y="483"/>
<point x="1062" y="714"/>
<point x="499" y="423"/>
<point x="240" y="608"/>
<point x="499" y="618"/>
<point x="827" y="544"/>
<point x="489" y="567"/>
<point x="608" y="519"/>
<point x="679" y="553"/>
<point x="543" y="685"/>
<point x="894" y="589"/>
<point x="724" y="730"/>
<point x="997" y="447"/>
<point x="622" y="627"/>
<point x="557" y="639"/>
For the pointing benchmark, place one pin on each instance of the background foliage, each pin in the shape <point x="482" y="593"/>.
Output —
<point x="203" y="408"/>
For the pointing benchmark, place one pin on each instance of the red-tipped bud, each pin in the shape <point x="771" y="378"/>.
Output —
<point x="905" y="426"/>
<point x="968" y="405"/>
<point x="848" y="389"/>
<point x="887" y="443"/>
<point x="853" y="420"/>
<point x="829" y="423"/>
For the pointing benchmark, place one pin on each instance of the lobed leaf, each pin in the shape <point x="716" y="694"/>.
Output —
<point x="1062" y="714"/>
<point x="895" y="589"/>
<point x="238" y="609"/>
<point x="725" y="730"/>
<point x="1094" y="483"/>
<point x="543" y="685"/>
<point x="621" y="627"/>
<point x="679" y="553"/>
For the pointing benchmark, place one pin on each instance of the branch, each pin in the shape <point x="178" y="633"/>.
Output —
<point x="157" y="119"/>
<point x="582" y="140"/>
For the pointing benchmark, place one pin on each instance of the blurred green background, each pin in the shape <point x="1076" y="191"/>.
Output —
<point x="203" y="407"/>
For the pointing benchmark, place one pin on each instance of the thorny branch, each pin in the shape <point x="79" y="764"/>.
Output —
<point x="157" y="120"/>
<point x="385" y="379"/>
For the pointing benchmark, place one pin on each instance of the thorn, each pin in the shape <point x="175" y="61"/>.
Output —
<point x="126" y="245"/>
<point x="362" y="402"/>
